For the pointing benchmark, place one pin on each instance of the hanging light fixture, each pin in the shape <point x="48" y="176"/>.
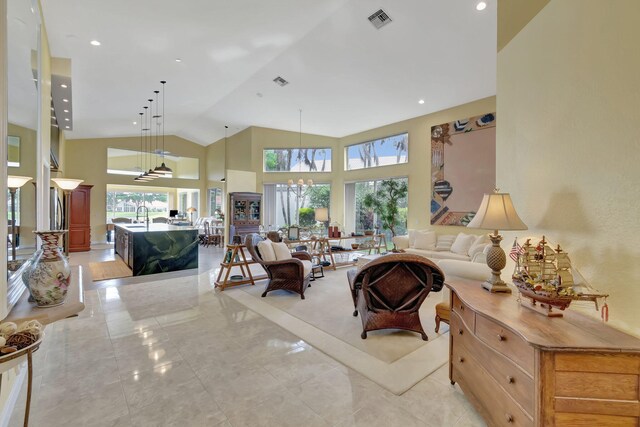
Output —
<point x="153" y="174"/>
<point x="163" y="169"/>
<point x="145" y="176"/>
<point x="141" y="177"/>
<point x="300" y="183"/>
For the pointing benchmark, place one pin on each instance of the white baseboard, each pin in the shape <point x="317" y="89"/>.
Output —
<point x="14" y="394"/>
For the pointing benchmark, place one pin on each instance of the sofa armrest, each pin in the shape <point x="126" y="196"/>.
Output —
<point x="401" y="242"/>
<point x="479" y="258"/>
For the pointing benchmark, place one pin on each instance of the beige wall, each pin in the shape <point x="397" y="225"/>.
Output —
<point x="94" y="172"/>
<point x="27" y="192"/>
<point x="513" y="16"/>
<point x="568" y="144"/>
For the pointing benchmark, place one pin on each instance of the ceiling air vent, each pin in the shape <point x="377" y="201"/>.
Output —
<point x="280" y="81"/>
<point x="379" y="19"/>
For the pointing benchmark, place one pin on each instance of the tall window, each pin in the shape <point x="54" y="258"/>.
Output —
<point x="215" y="200"/>
<point x="392" y="150"/>
<point x="125" y="204"/>
<point x="188" y="198"/>
<point x="293" y="159"/>
<point x="286" y="205"/>
<point x="359" y="219"/>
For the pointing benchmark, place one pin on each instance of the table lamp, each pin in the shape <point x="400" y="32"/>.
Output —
<point x="322" y="215"/>
<point x="67" y="185"/>
<point x="190" y="211"/>
<point x="496" y="212"/>
<point x="14" y="182"/>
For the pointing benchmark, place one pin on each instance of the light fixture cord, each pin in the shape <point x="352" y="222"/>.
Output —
<point x="300" y="148"/>
<point x="144" y="150"/>
<point x="141" y="133"/>
<point x="150" y="129"/>
<point x="157" y="125"/>
<point x="164" y="82"/>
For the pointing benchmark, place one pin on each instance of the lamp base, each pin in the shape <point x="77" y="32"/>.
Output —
<point x="496" y="261"/>
<point x="496" y="287"/>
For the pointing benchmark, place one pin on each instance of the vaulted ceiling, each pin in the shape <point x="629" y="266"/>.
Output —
<point x="346" y="75"/>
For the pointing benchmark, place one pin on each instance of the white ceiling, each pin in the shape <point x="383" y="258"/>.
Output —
<point x="344" y="74"/>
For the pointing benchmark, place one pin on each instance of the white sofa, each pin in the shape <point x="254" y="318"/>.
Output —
<point x="461" y="247"/>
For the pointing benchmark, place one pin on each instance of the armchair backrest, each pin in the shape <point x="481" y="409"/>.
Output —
<point x="251" y="242"/>
<point x="398" y="282"/>
<point x="207" y="230"/>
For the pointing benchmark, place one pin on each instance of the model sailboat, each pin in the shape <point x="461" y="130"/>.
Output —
<point x="545" y="276"/>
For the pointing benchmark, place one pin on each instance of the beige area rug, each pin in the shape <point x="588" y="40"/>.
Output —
<point x="109" y="270"/>
<point x="396" y="360"/>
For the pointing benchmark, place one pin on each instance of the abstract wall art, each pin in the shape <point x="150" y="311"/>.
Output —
<point x="463" y="168"/>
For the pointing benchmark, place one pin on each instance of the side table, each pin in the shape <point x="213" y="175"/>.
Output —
<point x="235" y="257"/>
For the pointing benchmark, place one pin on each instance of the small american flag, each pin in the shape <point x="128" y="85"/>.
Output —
<point x="516" y="250"/>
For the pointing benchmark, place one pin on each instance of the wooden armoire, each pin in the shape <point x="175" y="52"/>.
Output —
<point x="80" y="219"/>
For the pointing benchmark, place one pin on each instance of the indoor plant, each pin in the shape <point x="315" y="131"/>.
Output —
<point x="385" y="203"/>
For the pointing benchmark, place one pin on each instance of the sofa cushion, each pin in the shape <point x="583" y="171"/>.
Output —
<point x="401" y="242"/>
<point x="281" y="250"/>
<point x="478" y="245"/>
<point x="307" y="266"/>
<point x="434" y="255"/>
<point x="425" y="240"/>
<point x="444" y="242"/>
<point x="462" y="244"/>
<point x="266" y="250"/>
<point x="466" y="270"/>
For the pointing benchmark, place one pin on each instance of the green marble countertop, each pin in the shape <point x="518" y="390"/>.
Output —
<point x="144" y="228"/>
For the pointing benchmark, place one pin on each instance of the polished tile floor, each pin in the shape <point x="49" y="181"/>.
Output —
<point x="169" y="350"/>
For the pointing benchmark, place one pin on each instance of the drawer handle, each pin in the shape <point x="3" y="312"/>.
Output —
<point x="460" y="331"/>
<point x="461" y="359"/>
<point x="509" y="418"/>
<point x="501" y="338"/>
<point x="510" y="379"/>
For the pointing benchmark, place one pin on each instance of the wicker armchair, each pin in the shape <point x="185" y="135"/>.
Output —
<point x="285" y="274"/>
<point x="388" y="291"/>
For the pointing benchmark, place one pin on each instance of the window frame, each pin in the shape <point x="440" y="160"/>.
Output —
<point x="330" y="158"/>
<point x="346" y="152"/>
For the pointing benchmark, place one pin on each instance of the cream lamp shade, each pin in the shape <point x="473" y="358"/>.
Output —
<point x="67" y="183"/>
<point x="322" y="214"/>
<point x="14" y="181"/>
<point x="192" y="210"/>
<point x="496" y="212"/>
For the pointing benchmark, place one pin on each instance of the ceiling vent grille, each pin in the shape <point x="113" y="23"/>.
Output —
<point x="379" y="19"/>
<point x="280" y="81"/>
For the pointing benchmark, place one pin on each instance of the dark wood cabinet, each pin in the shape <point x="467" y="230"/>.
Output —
<point x="245" y="210"/>
<point x="80" y="219"/>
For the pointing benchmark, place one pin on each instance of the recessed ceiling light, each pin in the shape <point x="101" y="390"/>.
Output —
<point x="66" y="111"/>
<point x="178" y="60"/>
<point x="421" y="101"/>
<point x="481" y="6"/>
<point x="51" y="108"/>
<point x="63" y="86"/>
<point x="67" y="127"/>
<point x="65" y="100"/>
<point x="135" y="123"/>
<point x="95" y="43"/>
<point x="66" y="119"/>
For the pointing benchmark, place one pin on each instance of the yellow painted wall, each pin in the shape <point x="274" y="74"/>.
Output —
<point x="238" y="151"/>
<point x="513" y="16"/>
<point x="27" y="191"/>
<point x="568" y="144"/>
<point x="94" y="172"/>
<point x="216" y="162"/>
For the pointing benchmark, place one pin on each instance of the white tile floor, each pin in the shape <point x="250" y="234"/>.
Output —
<point x="176" y="352"/>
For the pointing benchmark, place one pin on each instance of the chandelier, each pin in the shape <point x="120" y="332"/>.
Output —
<point x="299" y="184"/>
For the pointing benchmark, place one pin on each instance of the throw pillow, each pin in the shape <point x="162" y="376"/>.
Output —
<point x="266" y="250"/>
<point x="412" y="237"/>
<point x="281" y="250"/>
<point x="444" y="243"/>
<point x="478" y="245"/>
<point x="462" y="243"/>
<point x="426" y="241"/>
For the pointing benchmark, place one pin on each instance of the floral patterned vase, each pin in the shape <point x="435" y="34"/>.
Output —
<point x="48" y="275"/>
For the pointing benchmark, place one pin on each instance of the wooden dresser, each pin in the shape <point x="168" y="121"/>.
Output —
<point x="519" y="368"/>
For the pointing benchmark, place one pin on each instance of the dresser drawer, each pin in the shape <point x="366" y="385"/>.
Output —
<point x="500" y="408"/>
<point x="506" y="342"/>
<point x="513" y="380"/>
<point x="467" y="315"/>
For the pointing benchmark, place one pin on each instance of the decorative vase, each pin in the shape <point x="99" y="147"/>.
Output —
<point x="47" y="278"/>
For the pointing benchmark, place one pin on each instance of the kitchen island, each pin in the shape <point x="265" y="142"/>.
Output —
<point x="156" y="248"/>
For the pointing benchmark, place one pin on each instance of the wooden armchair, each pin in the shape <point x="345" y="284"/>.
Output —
<point x="388" y="291"/>
<point x="291" y="275"/>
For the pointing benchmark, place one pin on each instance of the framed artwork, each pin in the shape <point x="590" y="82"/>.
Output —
<point x="294" y="233"/>
<point x="463" y="168"/>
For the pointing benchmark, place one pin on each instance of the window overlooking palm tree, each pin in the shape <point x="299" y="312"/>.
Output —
<point x="294" y="159"/>
<point x="391" y="150"/>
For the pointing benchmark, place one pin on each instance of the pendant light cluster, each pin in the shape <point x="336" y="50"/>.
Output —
<point x="147" y="140"/>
